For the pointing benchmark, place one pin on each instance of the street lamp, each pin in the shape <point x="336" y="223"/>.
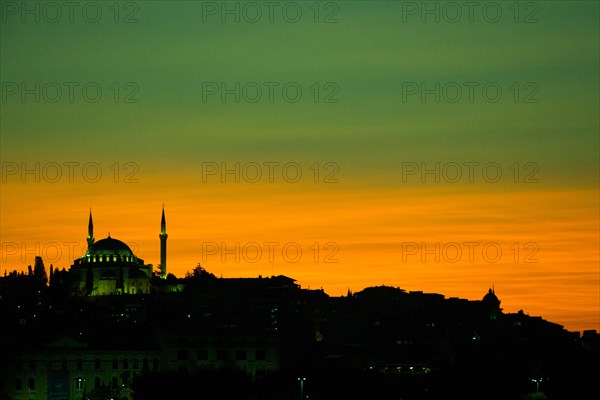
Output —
<point x="537" y="383"/>
<point x="301" y="387"/>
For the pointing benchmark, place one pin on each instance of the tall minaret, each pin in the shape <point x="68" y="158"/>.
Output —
<point x="163" y="245"/>
<point x="90" y="237"/>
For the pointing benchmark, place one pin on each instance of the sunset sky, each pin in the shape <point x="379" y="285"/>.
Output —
<point x="503" y="102"/>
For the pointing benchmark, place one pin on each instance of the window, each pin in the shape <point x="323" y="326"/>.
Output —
<point x="97" y="382"/>
<point x="222" y="355"/>
<point x="31" y="383"/>
<point x="79" y="364"/>
<point x="145" y="363"/>
<point x="125" y="380"/>
<point x="18" y="384"/>
<point x="135" y="364"/>
<point x="182" y="355"/>
<point x="260" y="355"/>
<point x="115" y="363"/>
<point x="125" y="364"/>
<point x="240" y="355"/>
<point x="203" y="354"/>
<point x="97" y="363"/>
<point x="155" y="364"/>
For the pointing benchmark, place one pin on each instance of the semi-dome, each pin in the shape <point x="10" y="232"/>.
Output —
<point x="109" y="247"/>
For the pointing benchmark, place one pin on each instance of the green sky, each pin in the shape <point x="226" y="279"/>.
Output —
<point x="369" y="53"/>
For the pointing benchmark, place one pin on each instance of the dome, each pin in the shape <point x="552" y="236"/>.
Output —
<point x="109" y="247"/>
<point x="491" y="298"/>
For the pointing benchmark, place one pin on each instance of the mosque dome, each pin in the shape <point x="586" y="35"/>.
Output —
<point x="109" y="247"/>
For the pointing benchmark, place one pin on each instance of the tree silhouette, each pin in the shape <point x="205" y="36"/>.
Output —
<point x="39" y="271"/>
<point x="200" y="273"/>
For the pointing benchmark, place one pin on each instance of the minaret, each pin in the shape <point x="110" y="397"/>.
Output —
<point x="90" y="237"/>
<point x="163" y="245"/>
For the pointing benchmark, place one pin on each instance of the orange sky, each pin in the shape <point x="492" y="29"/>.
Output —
<point x="354" y="68"/>
<point x="376" y="235"/>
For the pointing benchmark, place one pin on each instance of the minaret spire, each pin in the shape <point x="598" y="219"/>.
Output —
<point x="163" y="223"/>
<point x="90" y="237"/>
<point x="163" y="245"/>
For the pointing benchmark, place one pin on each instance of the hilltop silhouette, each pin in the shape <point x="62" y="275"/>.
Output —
<point x="254" y="337"/>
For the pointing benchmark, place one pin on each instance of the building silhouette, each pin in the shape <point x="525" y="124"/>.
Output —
<point x="109" y="266"/>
